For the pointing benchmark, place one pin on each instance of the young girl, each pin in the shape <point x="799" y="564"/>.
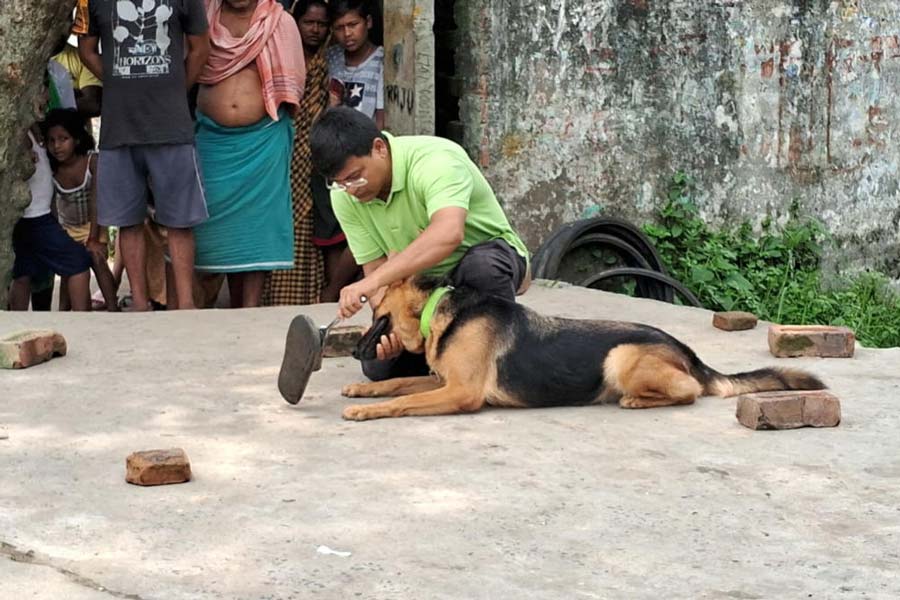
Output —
<point x="356" y="65"/>
<point x="74" y="162"/>
<point x="41" y="245"/>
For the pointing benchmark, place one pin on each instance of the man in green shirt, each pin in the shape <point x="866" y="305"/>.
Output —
<point x="409" y="205"/>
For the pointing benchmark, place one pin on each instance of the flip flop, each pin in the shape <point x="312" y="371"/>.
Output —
<point x="302" y="356"/>
<point x="98" y="302"/>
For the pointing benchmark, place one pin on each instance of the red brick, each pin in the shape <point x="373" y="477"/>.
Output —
<point x="341" y="341"/>
<point x="811" y="340"/>
<point x="27" y="348"/>
<point x="788" y="410"/>
<point x="734" y="320"/>
<point x="157" y="467"/>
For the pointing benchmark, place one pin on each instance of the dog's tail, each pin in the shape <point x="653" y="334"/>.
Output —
<point x="760" y="380"/>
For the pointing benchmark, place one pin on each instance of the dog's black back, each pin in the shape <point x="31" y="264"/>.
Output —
<point x="549" y="361"/>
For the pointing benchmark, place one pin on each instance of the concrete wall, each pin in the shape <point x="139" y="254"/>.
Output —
<point x="409" y="66"/>
<point x="577" y="107"/>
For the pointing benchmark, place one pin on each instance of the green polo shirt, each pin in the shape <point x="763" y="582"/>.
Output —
<point x="428" y="174"/>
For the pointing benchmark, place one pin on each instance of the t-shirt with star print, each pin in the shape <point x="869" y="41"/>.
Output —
<point x="363" y="84"/>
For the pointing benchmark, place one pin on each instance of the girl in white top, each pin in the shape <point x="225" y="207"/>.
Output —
<point x="40" y="243"/>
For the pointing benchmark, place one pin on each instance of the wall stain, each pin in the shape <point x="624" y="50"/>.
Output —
<point x="574" y="104"/>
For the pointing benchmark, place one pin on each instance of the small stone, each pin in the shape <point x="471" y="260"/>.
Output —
<point x="157" y="467"/>
<point x="341" y="341"/>
<point x="789" y="409"/>
<point x="27" y="348"/>
<point x="822" y="341"/>
<point x="734" y="320"/>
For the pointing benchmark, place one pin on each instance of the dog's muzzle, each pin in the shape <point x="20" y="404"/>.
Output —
<point x="367" y="348"/>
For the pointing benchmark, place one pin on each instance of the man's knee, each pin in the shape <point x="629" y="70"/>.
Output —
<point x="487" y="270"/>
<point x="483" y="264"/>
<point x="485" y="277"/>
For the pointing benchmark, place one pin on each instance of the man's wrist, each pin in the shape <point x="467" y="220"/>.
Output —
<point x="375" y="281"/>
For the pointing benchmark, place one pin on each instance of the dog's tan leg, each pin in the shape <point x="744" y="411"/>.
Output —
<point x="447" y="400"/>
<point x="648" y="402"/>
<point x="650" y="376"/>
<point x="668" y="387"/>
<point x="398" y="386"/>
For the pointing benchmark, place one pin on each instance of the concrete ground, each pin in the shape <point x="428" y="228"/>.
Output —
<point x="593" y="502"/>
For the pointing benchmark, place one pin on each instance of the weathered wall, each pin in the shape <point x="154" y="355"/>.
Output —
<point x="570" y="106"/>
<point x="409" y="66"/>
<point x="28" y="31"/>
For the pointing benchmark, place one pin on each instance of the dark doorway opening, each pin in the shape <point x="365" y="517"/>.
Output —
<point x="447" y="84"/>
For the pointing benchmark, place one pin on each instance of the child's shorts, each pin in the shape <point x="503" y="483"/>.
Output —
<point x="81" y="233"/>
<point x="41" y="245"/>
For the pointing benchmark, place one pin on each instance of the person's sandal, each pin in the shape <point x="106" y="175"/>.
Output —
<point x="302" y="356"/>
<point x="98" y="302"/>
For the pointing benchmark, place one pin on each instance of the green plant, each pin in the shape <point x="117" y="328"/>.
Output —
<point x="774" y="274"/>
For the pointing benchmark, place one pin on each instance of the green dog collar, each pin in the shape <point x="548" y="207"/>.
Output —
<point x="428" y="311"/>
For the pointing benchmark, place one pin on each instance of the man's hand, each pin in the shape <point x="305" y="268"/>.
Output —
<point x="352" y="295"/>
<point x="389" y="347"/>
<point x="333" y="100"/>
<point x="376" y="298"/>
<point x="98" y="249"/>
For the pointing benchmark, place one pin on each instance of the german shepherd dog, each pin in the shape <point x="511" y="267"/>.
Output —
<point x="486" y="350"/>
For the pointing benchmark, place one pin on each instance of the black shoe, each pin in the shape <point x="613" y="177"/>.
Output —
<point x="302" y="356"/>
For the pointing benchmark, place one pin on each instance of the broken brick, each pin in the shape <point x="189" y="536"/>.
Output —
<point x="789" y="409"/>
<point x="28" y="348"/>
<point x="157" y="467"/>
<point x="734" y="320"/>
<point x="823" y="341"/>
<point x="341" y="341"/>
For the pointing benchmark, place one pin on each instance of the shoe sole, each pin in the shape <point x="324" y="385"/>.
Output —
<point x="302" y="356"/>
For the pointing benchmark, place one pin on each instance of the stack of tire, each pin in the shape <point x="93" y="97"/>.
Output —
<point x="615" y="250"/>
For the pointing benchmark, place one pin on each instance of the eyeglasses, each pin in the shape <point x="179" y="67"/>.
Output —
<point x="343" y="186"/>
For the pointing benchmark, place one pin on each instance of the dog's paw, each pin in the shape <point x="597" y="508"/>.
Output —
<point x="354" y="390"/>
<point x="356" y="412"/>
<point x="629" y="402"/>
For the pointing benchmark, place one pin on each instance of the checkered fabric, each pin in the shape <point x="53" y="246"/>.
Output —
<point x="302" y="284"/>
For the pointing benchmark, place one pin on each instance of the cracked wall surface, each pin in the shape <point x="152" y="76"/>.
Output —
<point x="579" y="108"/>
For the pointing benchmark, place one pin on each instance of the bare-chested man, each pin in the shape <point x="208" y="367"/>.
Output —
<point x="252" y="82"/>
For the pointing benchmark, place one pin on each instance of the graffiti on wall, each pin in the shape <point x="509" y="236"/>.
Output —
<point x="400" y="97"/>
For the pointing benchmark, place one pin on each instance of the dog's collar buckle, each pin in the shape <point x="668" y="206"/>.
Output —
<point x="428" y="310"/>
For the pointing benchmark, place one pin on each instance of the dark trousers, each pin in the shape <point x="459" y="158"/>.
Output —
<point x="493" y="268"/>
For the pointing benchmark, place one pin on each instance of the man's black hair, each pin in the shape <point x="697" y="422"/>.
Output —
<point x="339" y="8"/>
<point x="303" y="5"/>
<point x="339" y="134"/>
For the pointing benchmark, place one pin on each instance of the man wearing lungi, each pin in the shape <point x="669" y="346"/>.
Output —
<point x="250" y="87"/>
